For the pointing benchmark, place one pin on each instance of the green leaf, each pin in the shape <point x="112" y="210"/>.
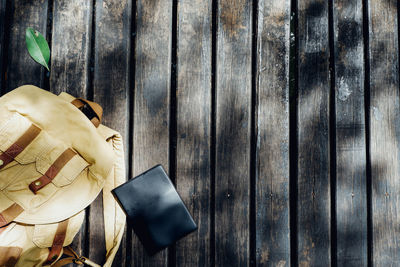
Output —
<point x="38" y="47"/>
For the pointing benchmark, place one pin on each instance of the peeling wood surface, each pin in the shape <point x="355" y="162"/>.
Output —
<point x="202" y="87"/>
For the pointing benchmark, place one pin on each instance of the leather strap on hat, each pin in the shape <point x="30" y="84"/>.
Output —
<point x="96" y="108"/>
<point x="19" y="145"/>
<point x="54" y="169"/>
<point x="58" y="242"/>
<point x="9" y="214"/>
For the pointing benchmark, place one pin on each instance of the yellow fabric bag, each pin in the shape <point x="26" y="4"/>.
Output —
<point x="54" y="161"/>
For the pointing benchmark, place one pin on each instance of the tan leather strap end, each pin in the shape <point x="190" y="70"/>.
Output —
<point x="9" y="214"/>
<point x="58" y="242"/>
<point x="52" y="172"/>
<point x="95" y="121"/>
<point x="19" y="145"/>
<point x="97" y="109"/>
<point x="77" y="103"/>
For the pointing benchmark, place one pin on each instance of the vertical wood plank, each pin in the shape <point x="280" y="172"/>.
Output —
<point x="351" y="190"/>
<point x="194" y="126"/>
<point x="313" y="187"/>
<point x="71" y="33"/>
<point x="384" y="140"/>
<point x="111" y="90"/>
<point x="21" y="68"/>
<point x="70" y="48"/>
<point x="152" y="101"/>
<point x="272" y="178"/>
<point x="3" y="6"/>
<point x="233" y="124"/>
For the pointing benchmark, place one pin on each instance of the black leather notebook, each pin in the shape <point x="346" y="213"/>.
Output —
<point x="154" y="209"/>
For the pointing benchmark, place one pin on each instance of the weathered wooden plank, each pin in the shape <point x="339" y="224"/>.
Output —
<point x="351" y="189"/>
<point x="3" y="7"/>
<point x="272" y="178"/>
<point x="71" y="34"/>
<point x="313" y="187"/>
<point x="193" y="153"/>
<point x="21" y="68"/>
<point x="384" y="139"/>
<point x="233" y="124"/>
<point x="152" y="100"/>
<point x="70" y="61"/>
<point x="111" y="90"/>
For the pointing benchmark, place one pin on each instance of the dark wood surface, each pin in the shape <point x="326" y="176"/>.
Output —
<point x="232" y="136"/>
<point x="110" y="80"/>
<point x="152" y="102"/>
<point x="193" y="126"/>
<point x="278" y="121"/>
<point x="2" y="41"/>
<point x="313" y="161"/>
<point x="384" y="135"/>
<point x="350" y="146"/>
<point x="272" y="134"/>
<point x="19" y="68"/>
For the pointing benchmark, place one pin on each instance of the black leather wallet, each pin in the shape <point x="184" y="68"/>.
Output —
<point x="154" y="209"/>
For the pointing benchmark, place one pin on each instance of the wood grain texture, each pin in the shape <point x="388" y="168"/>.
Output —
<point x="351" y="188"/>
<point x="71" y="31"/>
<point x="233" y="124"/>
<point x="3" y="7"/>
<point x="151" y="101"/>
<point x="313" y="188"/>
<point x="21" y="68"/>
<point x="111" y="90"/>
<point x="193" y="153"/>
<point x="70" y="48"/>
<point x="272" y="176"/>
<point x="114" y="86"/>
<point x="384" y="131"/>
